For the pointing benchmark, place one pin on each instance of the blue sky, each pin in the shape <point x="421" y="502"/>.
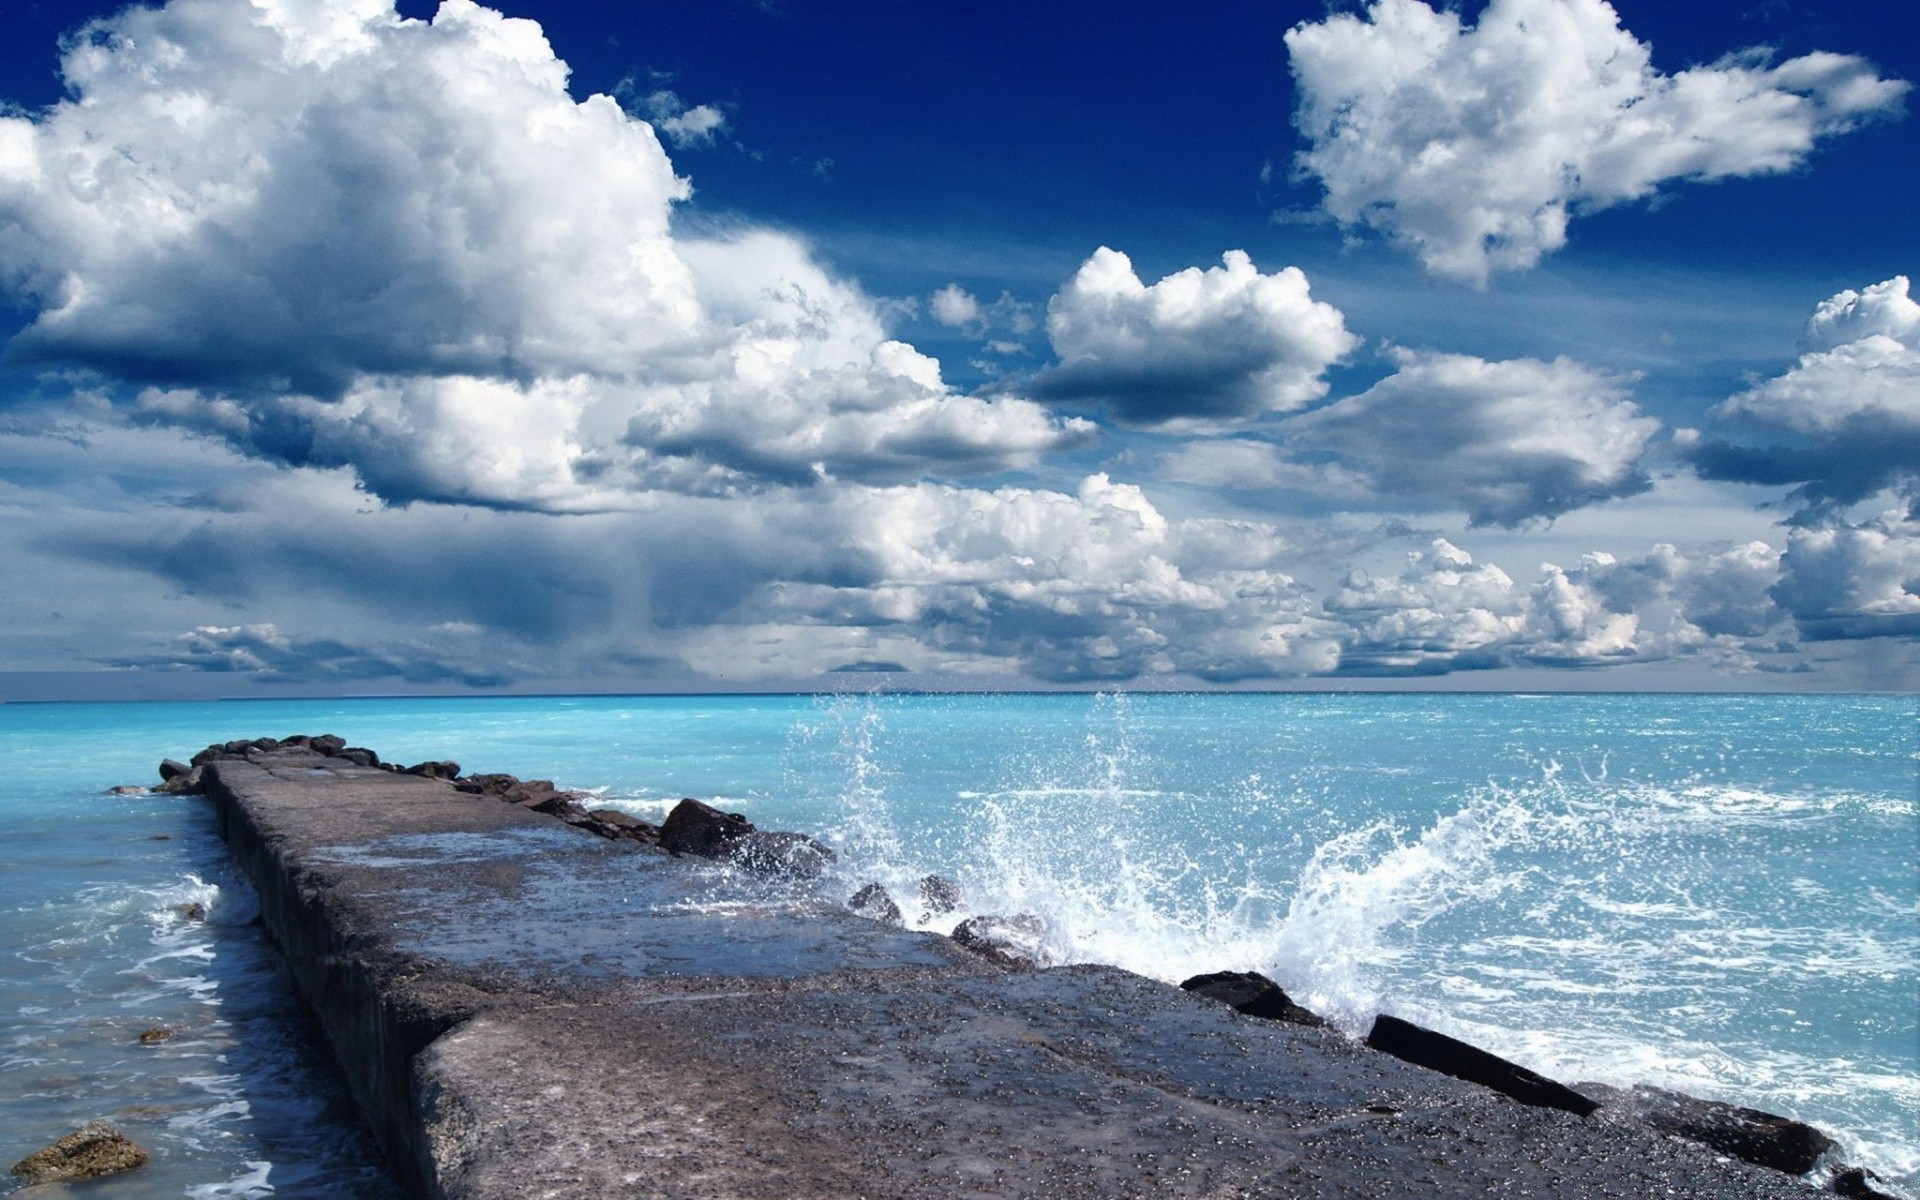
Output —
<point x="1540" y="343"/>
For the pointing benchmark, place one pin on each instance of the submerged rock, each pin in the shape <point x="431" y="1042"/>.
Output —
<point x="789" y="855"/>
<point x="127" y="789"/>
<point x="1251" y="993"/>
<point x="702" y="830"/>
<point x="1010" y="941"/>
<point x="93" y="1150"/>
<point x="1858" y="1182"/>
<point x="154" y="1036"/>
<point x="873" y="903"/>
<point x="1450" y="1056"/>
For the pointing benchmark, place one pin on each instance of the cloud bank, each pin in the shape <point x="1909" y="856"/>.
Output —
<point x="1475" y="146"/>
<point x="339" y="237"/>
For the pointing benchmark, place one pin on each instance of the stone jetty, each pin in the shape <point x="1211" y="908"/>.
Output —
<point x="523" y="1008"/>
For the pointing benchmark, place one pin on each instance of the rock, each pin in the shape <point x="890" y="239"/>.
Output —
<point x="1251" y="993"/>
<point x="298" y="741"/>
<point x="94" y="1150"/>
<point x="627" y="825"/>
<point x="359" y="756"/>
<point x="1449" y="1056"/>
<point x="873" y="903"/>
<point x="702" y="830"/>
<point x="1010" y="941"/>
<point x="327" y="744"/>
<point x="127" y="789"/>
<point x="154" y="1036"/>
<point x="1858" y="1182"/>
<point x="487" y="785"/>
<point x="190" y="784"/>
<point x="435" y="770"/>
<point x="939" y="895"/>
<point x="790" y="855"/>
<point x="1761" y="1138"/>
<point x="171" y="768"/>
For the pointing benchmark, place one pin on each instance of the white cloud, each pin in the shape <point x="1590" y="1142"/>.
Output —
<point x="340" y="237"/>
<point x="1853" y="399"/>
<point x="684" y="126"/>
<point x="1445" y="612"/>
<point x="1505" y="442"/>
<point x="954" y="305"/>
<point x="1199" y="349"/>
<point x="1475" y="145"/>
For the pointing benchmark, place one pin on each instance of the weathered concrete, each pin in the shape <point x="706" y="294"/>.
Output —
<point x="524" y="1010"/>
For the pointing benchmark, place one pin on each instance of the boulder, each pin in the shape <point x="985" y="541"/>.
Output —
<point x="359" y="756"/>
<point x="1251" y="993"/>
<point x="190" y="784"/>
<point x="1010" y="941"/>
<point x="939" y="895"/>
<point x="789" y="855"/>
<point x="93" y="1150"/>
<point x="487" y="785"/>
<point x="172" y="768"/>
<point x="435" y="770"/>
<point x="873" y="903"/>
<point x="627" y="825"/>
<point x="1761" y="1138"/>
<point x="326" y="744"/>
<point x="1858" y="1182"/>
<point x="1450" y="1056"/>
<point x="702" y="830"/>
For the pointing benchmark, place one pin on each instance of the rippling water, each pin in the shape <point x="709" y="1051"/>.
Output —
<point x="1711" y="893"/>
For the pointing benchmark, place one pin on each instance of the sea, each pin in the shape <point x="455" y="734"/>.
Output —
<point x="1711" y="893"/>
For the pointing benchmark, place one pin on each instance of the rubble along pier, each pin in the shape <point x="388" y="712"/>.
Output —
<point x="520" y="1009"/>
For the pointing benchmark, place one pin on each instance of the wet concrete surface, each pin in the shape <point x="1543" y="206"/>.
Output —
<point x="523" y="1009"/>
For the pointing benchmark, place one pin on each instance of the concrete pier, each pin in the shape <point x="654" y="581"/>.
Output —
<point x="522" y="1010"/>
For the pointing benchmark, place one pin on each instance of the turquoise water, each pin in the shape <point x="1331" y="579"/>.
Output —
<point x="1708" y="892"/>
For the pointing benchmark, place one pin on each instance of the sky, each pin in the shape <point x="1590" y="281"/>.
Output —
<point x="1527" y="344"/>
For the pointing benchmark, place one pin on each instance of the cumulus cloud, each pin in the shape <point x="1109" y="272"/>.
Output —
<point x="1849" y="409"/>
<point x="1444" y="612"/>
<point x="337" y="236"/>
<point x="955" y="306"/>
<point x="1475" y="145"/>
<point x="1505" y="442"/>
<point x="1854" y="580"/>
<point x="1199" y="349"/>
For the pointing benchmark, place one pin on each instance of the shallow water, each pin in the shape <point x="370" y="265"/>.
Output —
<point x="1712" y="893"/>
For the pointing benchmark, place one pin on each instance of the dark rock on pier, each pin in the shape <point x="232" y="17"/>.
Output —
<point x="1012" y="941"/>
<point x="702" y="830"/>
<point x="789" y="855"/>
<point x="436" y="770"/>
<point x="172" y="768"/>
<point x="1762" y="1138"/>
<point x="939" y="895"/>
<point x="873" y="903"/>
<point x="1450" y="1056"/>
<point x="521" y="1010"/>
<point x="1858" y="1182"/>
<point x="1251" y="993"/>
<point x="94" y="1150"/>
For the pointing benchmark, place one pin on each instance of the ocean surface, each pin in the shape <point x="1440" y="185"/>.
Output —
<point x="1712" y="893"/>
